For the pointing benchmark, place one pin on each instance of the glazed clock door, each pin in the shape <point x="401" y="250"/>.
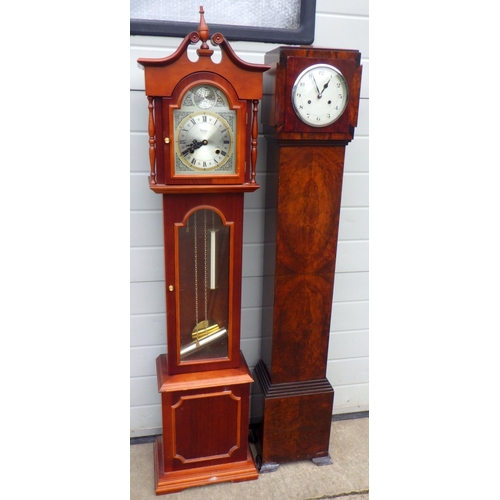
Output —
<point x="203" y="288"/>
<point x="203" y="250"/>
<point x="204" y="128"/>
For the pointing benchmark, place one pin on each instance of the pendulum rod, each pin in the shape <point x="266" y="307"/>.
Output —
<point x="213" y="249"/>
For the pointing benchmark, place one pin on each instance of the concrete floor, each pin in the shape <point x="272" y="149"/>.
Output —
<point x="345" y="479"/>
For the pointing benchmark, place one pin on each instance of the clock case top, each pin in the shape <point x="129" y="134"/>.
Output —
<point x="287" y="63"/>
<point x="167" y="80"/>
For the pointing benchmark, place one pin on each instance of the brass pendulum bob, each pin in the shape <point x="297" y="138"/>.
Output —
<point x="203" y="333"/>
<point x="204" y="329"/>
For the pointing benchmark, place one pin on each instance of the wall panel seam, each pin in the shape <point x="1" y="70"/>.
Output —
<point x="340" y="15"/>
<point x="337" y="360"/>
<point x="348" y="385"/>
<point x="348" y="331"/>
<point x="351" y="302"/>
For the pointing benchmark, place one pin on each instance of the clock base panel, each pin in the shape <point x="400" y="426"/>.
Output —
<point x="297" y="420"/>
<point x="205" y="417"/>
<point x="173" y="481"/>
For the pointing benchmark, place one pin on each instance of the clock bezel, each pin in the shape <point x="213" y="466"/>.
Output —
<point x="299" y="79"/>
<point x="241" y="143"/>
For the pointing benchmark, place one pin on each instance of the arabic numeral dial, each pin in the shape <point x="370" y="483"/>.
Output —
<point x="320" y="95"/>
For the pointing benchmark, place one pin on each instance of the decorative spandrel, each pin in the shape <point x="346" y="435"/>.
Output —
<point x="205" y="131"/>
<point x="204" y="253"/>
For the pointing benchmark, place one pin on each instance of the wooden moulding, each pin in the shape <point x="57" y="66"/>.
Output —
<point x="170" y="482"/>
<point x="200" y="380"/>
<point x="202" y="188"/>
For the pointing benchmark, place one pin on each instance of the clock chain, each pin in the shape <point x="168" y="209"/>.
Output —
<point x="205" y="262"/>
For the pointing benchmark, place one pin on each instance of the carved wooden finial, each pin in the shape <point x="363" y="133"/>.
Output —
<point x="203" y="31"/>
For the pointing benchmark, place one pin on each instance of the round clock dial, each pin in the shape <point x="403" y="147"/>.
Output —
<point x="319" y="95"/>
<point x="204" y="141"/>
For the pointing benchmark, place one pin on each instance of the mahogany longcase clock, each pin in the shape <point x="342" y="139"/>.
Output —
<point x="308" y="121"/>
<point x="203" y="147"/>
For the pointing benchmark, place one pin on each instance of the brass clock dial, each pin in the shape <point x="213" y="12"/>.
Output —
<point x="204" y="142"/>
<point x="204" y="133"/>
<point x="320" y="95"/>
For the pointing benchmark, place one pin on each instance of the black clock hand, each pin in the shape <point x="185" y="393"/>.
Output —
<point x="325" y="87"/>
<point x="194" y="145"/>
<point x="317" y="88"/>
<point x="198" y="145"/>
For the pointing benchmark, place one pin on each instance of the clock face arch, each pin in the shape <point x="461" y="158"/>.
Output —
<point x="205" y="132"/>
<point x="320" y="95"/>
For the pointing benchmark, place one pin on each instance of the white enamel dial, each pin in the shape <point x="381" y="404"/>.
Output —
<point x="319" y="95"/>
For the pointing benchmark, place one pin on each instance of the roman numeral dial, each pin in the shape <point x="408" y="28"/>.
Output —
<point x="204" y="141"/>
<point x="204" y="133"/>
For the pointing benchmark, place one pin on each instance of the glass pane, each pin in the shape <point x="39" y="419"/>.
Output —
<point x="259" y="13"/>
<point x="204" y="286"/>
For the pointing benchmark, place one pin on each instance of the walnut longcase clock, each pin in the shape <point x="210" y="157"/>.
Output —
<point x="308" y="121"/>
<point x="203" y="149"/>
